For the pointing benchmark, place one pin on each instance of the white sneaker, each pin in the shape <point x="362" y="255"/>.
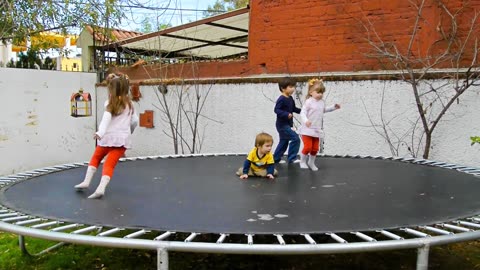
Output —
<point x="282" y="162"/>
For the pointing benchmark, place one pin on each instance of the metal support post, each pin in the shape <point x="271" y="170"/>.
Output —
<point x="162" y="259"/>
<point x="422" y="257"/>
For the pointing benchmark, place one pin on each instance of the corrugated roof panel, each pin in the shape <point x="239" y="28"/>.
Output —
<point x="199" y="38"/>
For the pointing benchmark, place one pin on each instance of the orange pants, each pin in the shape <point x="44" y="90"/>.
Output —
<point x="311" y="145"/>
<point x="113" y="155"/>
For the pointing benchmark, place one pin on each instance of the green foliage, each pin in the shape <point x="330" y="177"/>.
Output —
<point x="221" y="6"/>
<point x="149" y="26"/>
<point x="31" y="60"/>
<point x="475" y="139"/>
<point x="21" y="19"/>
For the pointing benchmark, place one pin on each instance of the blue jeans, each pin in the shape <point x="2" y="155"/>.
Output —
<point x="290" y="139"/>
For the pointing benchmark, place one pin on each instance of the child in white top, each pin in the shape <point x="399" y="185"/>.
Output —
<point x="113" y="135"/>
<point x="312" y="123"/>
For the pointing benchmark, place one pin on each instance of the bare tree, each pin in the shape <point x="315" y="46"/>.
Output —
<point x="181" y="108"/>
<point x="453" y="53"/>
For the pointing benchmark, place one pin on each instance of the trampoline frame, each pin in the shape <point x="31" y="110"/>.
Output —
<point x="420" y="237"/>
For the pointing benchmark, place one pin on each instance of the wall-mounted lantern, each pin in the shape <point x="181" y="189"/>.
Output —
<point x="81" y="104"/>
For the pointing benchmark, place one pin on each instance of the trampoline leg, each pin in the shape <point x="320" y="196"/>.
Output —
<point x="422" y="258"/>
<point x="23" y="248"/>
<point x="162" y="259"/>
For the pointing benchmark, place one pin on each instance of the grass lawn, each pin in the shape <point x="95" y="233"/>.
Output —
<point x="456" y="256"/>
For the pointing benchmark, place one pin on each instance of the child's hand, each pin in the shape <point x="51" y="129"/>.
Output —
<point x="244" y="176"/>
<point x="96" y="137"/>
<point x="337" y="106"/>
<point x="308" y="123"/>
<point x="270" y="176"/>
<point x="290" y="116"/>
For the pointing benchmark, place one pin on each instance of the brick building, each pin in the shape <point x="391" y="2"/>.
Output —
<point x="293" y="37"/>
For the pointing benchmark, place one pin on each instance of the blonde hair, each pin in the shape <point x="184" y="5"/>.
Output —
<point x="315" y="85"/>
<point x="119" y="98"/>
<point x="263" y="138"/>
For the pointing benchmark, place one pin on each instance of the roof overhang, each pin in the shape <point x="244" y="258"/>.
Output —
<point x="220" y="36"/>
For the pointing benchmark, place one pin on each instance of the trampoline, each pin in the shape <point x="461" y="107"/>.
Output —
<point x="352" y="203"/>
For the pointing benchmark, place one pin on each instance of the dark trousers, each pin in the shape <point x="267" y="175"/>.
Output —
<point x="288" y="139"/>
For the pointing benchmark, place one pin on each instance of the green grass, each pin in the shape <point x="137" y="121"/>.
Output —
<point x="456" y="256"/>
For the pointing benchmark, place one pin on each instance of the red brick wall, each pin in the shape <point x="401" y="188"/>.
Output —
<point x="309" y="36"/>
<point x="289" y="36"/>
<point x="238" y="68"/>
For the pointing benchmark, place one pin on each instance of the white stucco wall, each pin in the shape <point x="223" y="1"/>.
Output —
<point x="36" y="129"/>
<point x="241" y="111"/>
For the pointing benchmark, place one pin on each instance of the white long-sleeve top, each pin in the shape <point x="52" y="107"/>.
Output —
<point x="313" y="111"/>
<point x="117" y="130"/>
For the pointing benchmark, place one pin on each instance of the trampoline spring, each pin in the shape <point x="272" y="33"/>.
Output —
<point x="163" y="236"/>
<point x="191" y="237"/>
<point x="41" y="171"/>
<point x="136" y="234"/>
<point x="456" y="228"/>
<point x="447" y="165"/>
<point x="51" y="169"/>
<point x="25" y="174"/>
<point x="65" y="227"/>
<point x="364" y="237"/>
<point x="221" y="238"/>
<point x="60" y="167"/>
<point x="15" y="218"/>
<point x="337" y="238"/>
<point x="428" y="162"/>
<point x="46" y="224"/>
<point x="471" y="224"/>
<point x="438" y="163"/>
<point x="415" y="232"/>
<point x="436" y="230"/>
<point x="14" y="177"/>
<point x="475" y="219"/>
<point x="249" y="239"/>
<point x="280" y="239"/>
<point x="469" y="170"/>
<point x="110" y="232"/>
<point x="85" y="230"/>
<point x="30" y="221"/>
<point x="80" y="163"/>
<point x="8" y="215"/>
<point x="8" y="178"/>
<point x="390" y="235"/>
<point x="309" y="239"/>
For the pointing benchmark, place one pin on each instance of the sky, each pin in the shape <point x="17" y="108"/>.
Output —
<point x="177" y="12"/>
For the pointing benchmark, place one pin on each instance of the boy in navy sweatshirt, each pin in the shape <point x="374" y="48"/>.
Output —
<point x="284" y="108"/>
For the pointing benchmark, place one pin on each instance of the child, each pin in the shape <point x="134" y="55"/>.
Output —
<point x="113" y="135"/>
<point x="259" y="161"/>
<point x="312" y="123"/>
<point x="284" y="108"/>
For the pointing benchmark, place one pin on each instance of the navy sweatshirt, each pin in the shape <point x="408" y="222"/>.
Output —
<point x="283" y="107"/>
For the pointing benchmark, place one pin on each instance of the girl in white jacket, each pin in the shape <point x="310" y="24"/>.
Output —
<point x="311" y="129"/>
<point x="113" y="135"/>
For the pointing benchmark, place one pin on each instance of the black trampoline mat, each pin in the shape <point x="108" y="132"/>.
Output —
<point x="203" y="194"/>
